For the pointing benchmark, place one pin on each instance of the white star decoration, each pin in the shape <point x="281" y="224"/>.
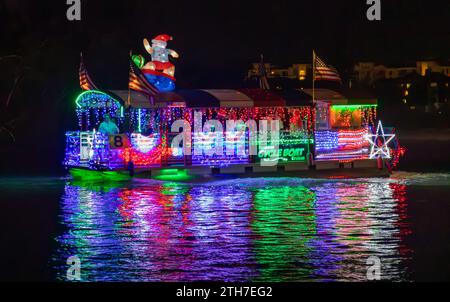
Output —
<point x="377" y="150"/>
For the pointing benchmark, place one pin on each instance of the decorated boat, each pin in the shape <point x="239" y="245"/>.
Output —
<point x="178" y="134"/>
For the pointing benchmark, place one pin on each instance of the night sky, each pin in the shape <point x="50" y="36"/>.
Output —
<point x="216" y="40"/>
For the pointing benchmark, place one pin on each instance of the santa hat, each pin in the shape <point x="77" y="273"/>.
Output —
<point x="164" y="38"/>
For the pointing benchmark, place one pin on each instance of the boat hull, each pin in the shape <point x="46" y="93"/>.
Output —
<point x="334" y="170"/>
<point x="95" y="175"/>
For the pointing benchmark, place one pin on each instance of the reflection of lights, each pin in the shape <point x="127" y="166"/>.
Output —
<point x="283" y="222"/>
<point x="358" y="220"/>
<point x="290" y="229"/>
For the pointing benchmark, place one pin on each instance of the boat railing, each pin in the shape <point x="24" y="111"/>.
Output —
<point x="96" y="150"/>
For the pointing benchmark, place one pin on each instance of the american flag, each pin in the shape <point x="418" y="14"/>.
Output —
<point x="139" y="83"/>
<point x="325" y="72"/>
<point x="85" y="80"/>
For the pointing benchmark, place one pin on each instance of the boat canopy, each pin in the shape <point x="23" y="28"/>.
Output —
<point x="238" y="98"/>
<point x="215" y="98"/>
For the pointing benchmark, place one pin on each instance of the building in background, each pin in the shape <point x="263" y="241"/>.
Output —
<point x="420" y="87"/>
<point x="296" y="71"/>
<point x="370" y="72"/>
<point x="412" y="92"/>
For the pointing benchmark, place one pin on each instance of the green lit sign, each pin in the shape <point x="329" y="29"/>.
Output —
<point x="292" y="147"/>
<point x="284" y="154"/>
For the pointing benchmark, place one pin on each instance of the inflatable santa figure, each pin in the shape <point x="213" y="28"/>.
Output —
<point x="160" y="55"/>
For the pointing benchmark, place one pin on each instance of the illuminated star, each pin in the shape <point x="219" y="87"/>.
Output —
<point x="379" y="143"/>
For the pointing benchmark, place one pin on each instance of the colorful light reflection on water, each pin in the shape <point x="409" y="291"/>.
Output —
<point x="260" y="229"/>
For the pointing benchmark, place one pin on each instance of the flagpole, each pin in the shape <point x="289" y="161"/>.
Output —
<point x="79" y="69"/>
<point x="310" y="157"/>
<point x="314" y="78"/>
<point x="129" y="89"/>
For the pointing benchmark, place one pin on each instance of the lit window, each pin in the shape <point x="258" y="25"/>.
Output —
<point x="424" y="68"/>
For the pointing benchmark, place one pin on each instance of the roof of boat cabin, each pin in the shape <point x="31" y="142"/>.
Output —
<point x="246" y="97"/>
<point x="321" y="94"/>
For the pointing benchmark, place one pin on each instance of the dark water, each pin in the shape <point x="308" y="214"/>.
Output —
<point x="260" y="229"/>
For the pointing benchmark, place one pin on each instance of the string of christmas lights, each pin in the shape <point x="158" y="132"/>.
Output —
<point x="93" y="105"/>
